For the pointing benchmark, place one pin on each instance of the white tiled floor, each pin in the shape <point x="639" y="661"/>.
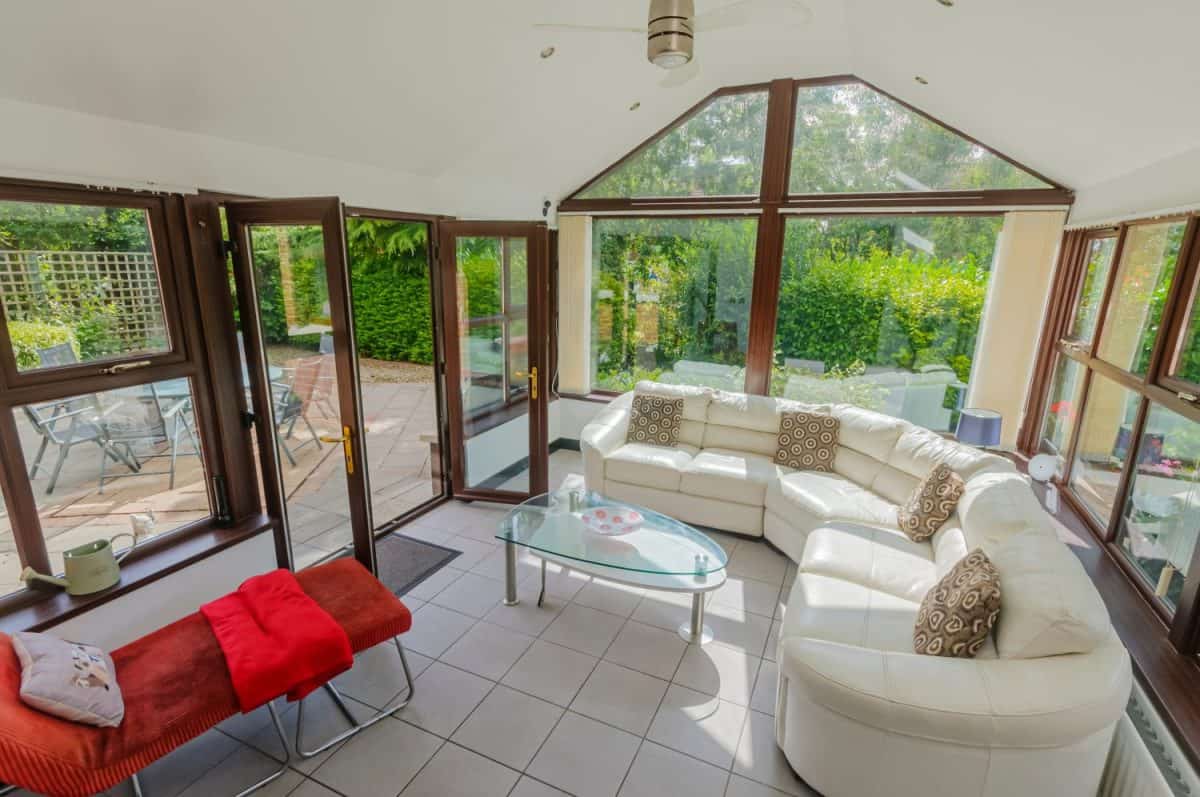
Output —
<point x="592" y="694"/>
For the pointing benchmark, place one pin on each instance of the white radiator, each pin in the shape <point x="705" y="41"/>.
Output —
<point x="1145" y="761"/>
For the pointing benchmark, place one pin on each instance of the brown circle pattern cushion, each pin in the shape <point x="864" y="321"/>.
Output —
<point x="957" y="615"/>
<point x="931" y="504"/>
<point x="807" y="441"/>
<point x="655" y="420"/>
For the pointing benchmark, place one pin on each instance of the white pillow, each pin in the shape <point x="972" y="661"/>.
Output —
<point x="1048" y="605"/>
<point x="68" y="680"/>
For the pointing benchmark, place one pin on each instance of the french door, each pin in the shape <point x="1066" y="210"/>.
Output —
<point x="495" y="278"/>
<point x="290" y="272"/>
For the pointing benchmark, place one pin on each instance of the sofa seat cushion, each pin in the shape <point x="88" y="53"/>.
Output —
<point x="848" y="613"/>
<point x="877" y="558"/>
<point x="728" y="475"/>
<point x="820" y="498"/>
<point x="1040" y="703"/>
<point x="649" y="466"/>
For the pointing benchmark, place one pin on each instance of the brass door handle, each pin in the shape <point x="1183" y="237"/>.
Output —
<point x="532" y="375"/>
<point x="347" y="446"/>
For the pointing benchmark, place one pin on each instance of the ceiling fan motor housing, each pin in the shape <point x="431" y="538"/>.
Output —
<point x="670" y="36"/>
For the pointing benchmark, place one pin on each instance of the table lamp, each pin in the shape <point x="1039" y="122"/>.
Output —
<point x="978" y="427"/>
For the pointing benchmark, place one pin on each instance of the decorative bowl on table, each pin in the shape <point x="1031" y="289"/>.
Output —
<point x="611" y="521"/>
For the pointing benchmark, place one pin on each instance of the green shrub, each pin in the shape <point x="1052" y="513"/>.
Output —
<point x="29" y="336"/>
<point x="883" y="309"/>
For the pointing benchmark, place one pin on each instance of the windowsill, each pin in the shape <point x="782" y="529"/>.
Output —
<point x="36" y="610"/>
<point x="596" y="396"/>
<point x="1168" y="676"/>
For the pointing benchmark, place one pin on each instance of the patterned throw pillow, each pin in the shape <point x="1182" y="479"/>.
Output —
<point x="68" y="680"/>
<point x="655" y="420"/>
<point x="931" y="504"/>
<point x="807" y="441"/>
<point x="957" y="615"/>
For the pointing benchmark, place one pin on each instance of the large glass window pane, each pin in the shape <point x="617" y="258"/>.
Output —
<point x="79" y="284"/>
<point x="1066" y="389"/>
<point x="493" y="286"/>
<point x="716" y="152"/>
<point x="1161" y="517"/>
<point x="1091" y="293"/>
<point x="671" y="301"/>
<point x="393" y="327"/>
<point x="883" y="312"/>
<point x="849" y="138"/>
<point x="1187" y="363"/>
<point x="98" y="461"/>
<point x="1148" y="260"/>
<point x="1104" y="442"/>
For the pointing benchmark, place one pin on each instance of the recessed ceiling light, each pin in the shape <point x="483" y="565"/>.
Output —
<point x="635" y="106"/>
<point x="921" y="80"/>
<point x="547" y="52"/>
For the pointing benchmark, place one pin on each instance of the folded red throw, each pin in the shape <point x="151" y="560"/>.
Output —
<point x="276" y="639"/>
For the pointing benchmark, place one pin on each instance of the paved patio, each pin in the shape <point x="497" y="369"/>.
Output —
<point x="397" y="415"/>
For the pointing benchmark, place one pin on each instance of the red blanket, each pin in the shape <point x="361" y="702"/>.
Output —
<point x="276" y="639"/>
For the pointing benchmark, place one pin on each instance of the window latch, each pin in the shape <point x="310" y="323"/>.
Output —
<point x="1188" y="397"/>
<point x="121" y="368"/>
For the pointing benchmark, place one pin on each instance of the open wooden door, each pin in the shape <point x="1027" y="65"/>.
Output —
<point x="294" y="303"/>
<point x="496" y="300"/>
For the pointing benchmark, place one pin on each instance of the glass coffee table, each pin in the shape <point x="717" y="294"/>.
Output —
<point x="592" y="534"/>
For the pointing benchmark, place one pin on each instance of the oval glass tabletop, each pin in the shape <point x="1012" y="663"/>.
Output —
<point x="569" y="523"/>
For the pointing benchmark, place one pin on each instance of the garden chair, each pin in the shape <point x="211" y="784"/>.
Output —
<point x="162" y="416"/>
<point x="291" y="401"/>
<point x="70" y="422"/>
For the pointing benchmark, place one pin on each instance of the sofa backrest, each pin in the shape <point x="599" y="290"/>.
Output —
<point x="887" y="455"/>
<point x="695" y="407"/>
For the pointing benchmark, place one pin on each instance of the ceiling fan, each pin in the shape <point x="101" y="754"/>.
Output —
<point x="673" y="24"/>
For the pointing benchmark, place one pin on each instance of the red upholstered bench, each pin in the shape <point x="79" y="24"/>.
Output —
<point x="176" y="687"/>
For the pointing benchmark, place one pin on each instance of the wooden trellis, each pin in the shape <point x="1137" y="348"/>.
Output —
<point x="31" y="280"/>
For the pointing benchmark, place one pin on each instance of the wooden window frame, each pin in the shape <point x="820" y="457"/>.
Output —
<point x="190" y="263"/>
<point x="774" y="203"/>
<point x="1156" y="386"/>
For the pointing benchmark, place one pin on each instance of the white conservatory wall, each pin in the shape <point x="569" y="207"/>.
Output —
<point x="1166" y="186"/>
<point x="44" y="143"/>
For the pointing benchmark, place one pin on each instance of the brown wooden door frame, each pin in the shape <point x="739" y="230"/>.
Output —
<point x="325" y="212"/>
<point x="538" y="337"/>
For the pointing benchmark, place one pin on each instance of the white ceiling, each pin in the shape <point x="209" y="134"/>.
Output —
<point x="454" y="92"/>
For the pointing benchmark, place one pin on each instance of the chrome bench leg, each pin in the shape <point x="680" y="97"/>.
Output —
<point x="283" y="765"/>
<point x="356" y="726"/>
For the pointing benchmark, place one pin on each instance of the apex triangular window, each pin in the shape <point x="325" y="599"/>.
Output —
<point x="717" y="151"/>
<point x="851" y="139"/>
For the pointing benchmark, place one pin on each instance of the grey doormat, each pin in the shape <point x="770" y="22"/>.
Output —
<point x="405" y="562"/>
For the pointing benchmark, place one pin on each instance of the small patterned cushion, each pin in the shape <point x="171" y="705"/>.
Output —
<point x="655" y="420"/>
<point x="68" y="680"/>
<point x="931" y="504"/>
<point x="957" y="615"/>
<point x="807" y="441"/>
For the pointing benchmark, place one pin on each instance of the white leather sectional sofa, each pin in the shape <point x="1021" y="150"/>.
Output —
<point x="858" y="712"/>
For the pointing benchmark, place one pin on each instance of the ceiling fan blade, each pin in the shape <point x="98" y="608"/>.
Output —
<point x="681" y="76"/>
<point x="590" y="29"/>
<point x="733" y="15"/>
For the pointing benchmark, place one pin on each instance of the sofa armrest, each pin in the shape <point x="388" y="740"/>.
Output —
<point x="1015" y="703"/>
<point x="600" y="438"/>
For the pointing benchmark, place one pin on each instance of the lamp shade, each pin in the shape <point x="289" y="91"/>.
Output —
<point x="979" y="427"/>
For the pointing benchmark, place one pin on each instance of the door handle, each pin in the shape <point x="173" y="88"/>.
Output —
<point x="533" y="380"/>
<point x="347" y="441"/>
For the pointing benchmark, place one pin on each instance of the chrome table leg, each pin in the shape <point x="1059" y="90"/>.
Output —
<point x="696" y="631"/>
<point x="510" y="574"/>
<point x="542" y="594"/>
